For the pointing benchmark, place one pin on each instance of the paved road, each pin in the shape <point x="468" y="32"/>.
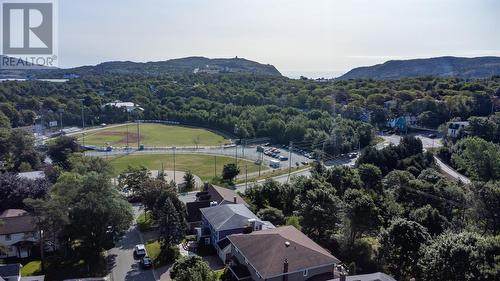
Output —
<point x="451" y="172"/>
<point x="121" y="260"/>
<point x="427" y="143"/>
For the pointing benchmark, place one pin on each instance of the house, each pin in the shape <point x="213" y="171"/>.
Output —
<point x="18" y="233"/>
<point x="278" y="254"/>
<point x="12" y="272"/>
<point x="129" y="106"/>
<point x="211" y="196"/>
<point x="220" y="221"/>
<point x="379" y="276"/>
<point x="456" y="129"/>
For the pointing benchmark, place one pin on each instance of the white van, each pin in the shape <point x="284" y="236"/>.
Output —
<point x="274" y="164"/>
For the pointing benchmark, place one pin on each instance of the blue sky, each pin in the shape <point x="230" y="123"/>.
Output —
<point x="316" y="37"/>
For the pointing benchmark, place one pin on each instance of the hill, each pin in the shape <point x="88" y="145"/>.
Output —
<point x="174" y="66"/>
<point x="468" y="68"/>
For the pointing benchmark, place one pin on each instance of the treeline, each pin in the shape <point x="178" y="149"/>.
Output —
<point x="248" y="105"/>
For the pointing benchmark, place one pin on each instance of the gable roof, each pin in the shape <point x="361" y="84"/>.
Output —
<point x="193" y="210"/>
<point x="266" y="251"/>
<point x="8" y="270"/>
<point x="224" y="196"/>
<point x="230" y="216"/>
<point x="16" y="221"/>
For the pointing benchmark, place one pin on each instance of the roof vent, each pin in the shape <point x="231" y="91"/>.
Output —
<point x="287" y="244"/>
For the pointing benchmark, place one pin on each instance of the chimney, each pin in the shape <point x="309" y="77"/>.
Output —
<point x="205" y="186"/>
<point x="285" y="270"/>
<point x="234" y="200"/>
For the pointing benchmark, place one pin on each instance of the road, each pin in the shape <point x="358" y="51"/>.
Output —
<point x="121" y="260"/>
<point x="451" y="172"/>
<point x="427" y="143"/>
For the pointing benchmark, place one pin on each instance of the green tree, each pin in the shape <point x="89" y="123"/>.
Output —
<point x="487" y="206"/>
<point x="189" y="181"/>
<point x="97" y="212"/>
<point x="431" y="219"/>
<point x="362" y="213"/>
<point x="319" y="211"/>
<point x="371" y="176"/>
<point x="461" y="257"/>
<point x="134" y="178"/>
<point x="399" y="250"/>
<point x="275" y="216"/>
<point x="170" y="214"/>
<point x="191" y="268"/>
<point x="61" y="149"/>
<point x="479" y="159"/>
<point x="230" y="171"/>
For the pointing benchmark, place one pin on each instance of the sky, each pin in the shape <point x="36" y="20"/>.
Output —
<point x="315" y="38"/>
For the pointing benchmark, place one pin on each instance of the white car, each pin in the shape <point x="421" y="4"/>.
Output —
<point x="139" y="250"/>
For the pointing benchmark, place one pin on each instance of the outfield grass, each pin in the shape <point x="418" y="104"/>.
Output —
<point x="152" y="135"/>
<point x="201" y="165"/>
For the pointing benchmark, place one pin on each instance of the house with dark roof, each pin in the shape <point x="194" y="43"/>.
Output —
<point x="212" y="195"/>
<point x="18" y="233"/>
<point x="278" y="254"/>
<point x="220" y="221"/>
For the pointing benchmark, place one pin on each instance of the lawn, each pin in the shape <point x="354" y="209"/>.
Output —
<point x="153" y="135"/>
<point x="153" y="248"/>
<point x="201" y="165"/>
<point x="31" y="268"/>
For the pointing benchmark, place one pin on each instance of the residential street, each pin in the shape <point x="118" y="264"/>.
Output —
<point x="121" y="260"/>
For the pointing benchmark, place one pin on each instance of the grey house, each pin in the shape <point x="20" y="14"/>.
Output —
<point x="220" y="221"/>
<point x="279" y="254"/>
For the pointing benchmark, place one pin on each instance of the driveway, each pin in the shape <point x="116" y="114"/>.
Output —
<point x="121" y="260"/>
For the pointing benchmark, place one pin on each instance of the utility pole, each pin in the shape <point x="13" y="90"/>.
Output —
<point x="60" y="120"/>
<point x="290" y="147"/>
<point x="246" y="177"/>
<point x="83" y="116"/>
<point x="127" y="129"/>
<point x="138" y="136"/>
<point x="236" y="155"/>
<point x="215" y="165"/>
<point x="174" y="163"/>
<point x="243" y="149"/>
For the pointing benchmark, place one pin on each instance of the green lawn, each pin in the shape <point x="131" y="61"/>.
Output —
<point x="201" y="165"/>
<point x="152" y="135"/>
<point x="144" y="221"/>
<point x="31" y="268"/>
<point x="153" y="248"/>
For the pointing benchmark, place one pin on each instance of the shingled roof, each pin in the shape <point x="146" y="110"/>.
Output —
<point x="16" y="221"/>
<point x="267" y="250"/>
<point x="230" y="216"/>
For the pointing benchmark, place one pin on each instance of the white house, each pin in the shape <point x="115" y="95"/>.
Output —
<point x="456" y="128"/>
<point x="17" y="233"/>
<point x="130" y="106"/>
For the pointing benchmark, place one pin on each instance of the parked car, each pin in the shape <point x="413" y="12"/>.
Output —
<point x="353" y="155"/>
<point x="140" y="250"/>
<point x="283" y="158"/>
<point x="146" y="262"/>
<point x="432" y="136"/>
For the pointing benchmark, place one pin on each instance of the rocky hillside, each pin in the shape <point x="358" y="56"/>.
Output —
<point x="469" y="68"/>
<point x="198" y="65"/>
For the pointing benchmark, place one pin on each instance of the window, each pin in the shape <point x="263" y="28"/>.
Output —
<point x="305" y="272"/>
<point x="7" y="237"/>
